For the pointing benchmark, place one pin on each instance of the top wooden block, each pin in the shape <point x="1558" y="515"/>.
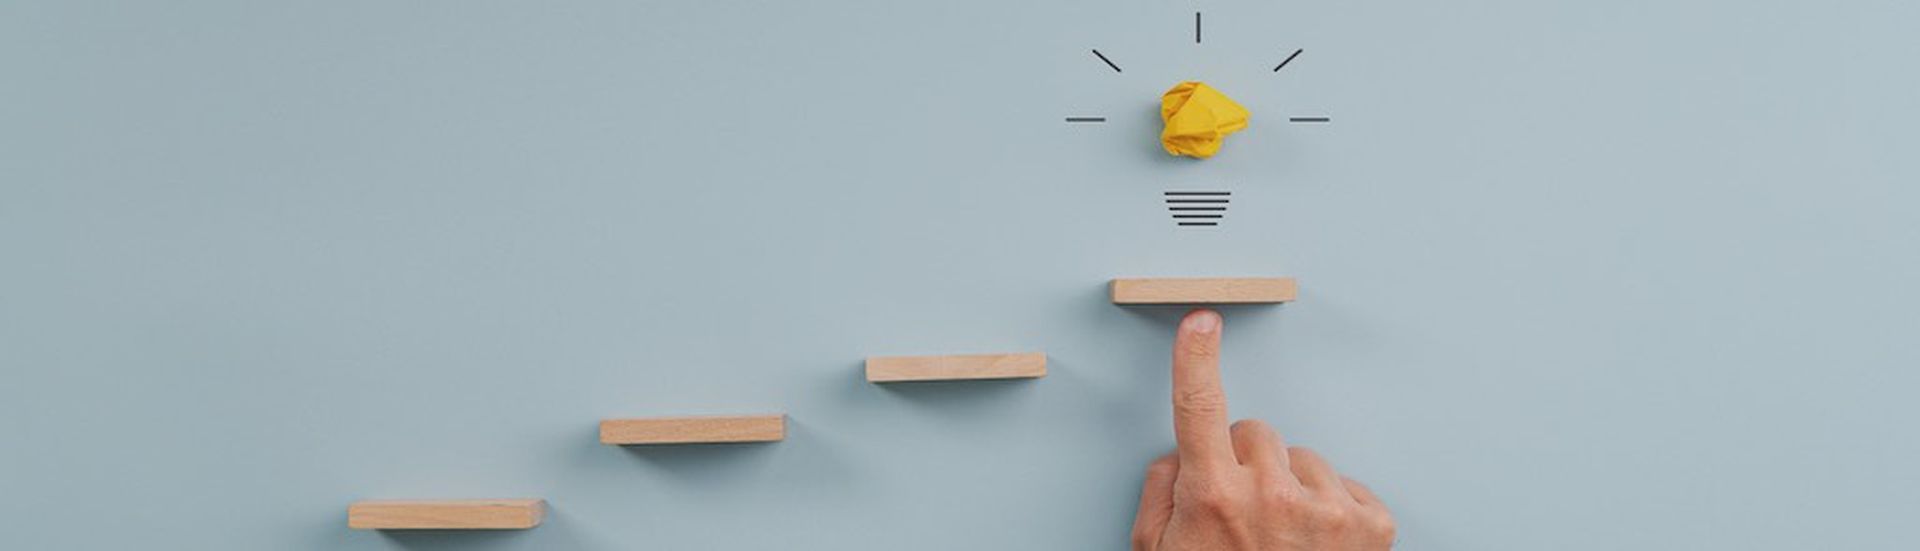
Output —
<point x="894" y="369"/>
<point x="1219" y="290"/>
<point x="458" y="514"/>
<point x="717" y="429"/>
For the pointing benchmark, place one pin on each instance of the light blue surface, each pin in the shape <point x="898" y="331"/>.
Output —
<point x="1576" y="276"/>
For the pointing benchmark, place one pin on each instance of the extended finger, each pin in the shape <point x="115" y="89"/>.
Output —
<point x="1199" y="402"/>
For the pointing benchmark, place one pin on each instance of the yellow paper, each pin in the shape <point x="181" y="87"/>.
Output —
<point x="1198" y="118"/>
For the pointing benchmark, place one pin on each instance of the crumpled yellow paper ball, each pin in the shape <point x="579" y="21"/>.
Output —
<point x="1198" y="118"/>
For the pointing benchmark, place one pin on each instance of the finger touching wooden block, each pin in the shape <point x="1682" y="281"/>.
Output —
<point x="457" y="514"/>
<point x="1214" y="290"/>
<point x="717" y="429"/>
<point x="891" y="369"/>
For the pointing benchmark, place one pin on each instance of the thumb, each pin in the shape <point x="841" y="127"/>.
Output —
<point x="1156" y="502"/>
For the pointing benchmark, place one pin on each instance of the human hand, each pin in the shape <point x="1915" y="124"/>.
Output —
<point x="1241" y="488"/>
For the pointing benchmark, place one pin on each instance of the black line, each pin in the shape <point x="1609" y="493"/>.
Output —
<point x="1310" y="119"/>
<point x="1178" y="209"/>
<point x="1283" y="64"/>
<point x="1103" y="57"/>
<point x="1199" y="216"/>
<point x="1199" y="223"/>
<point x="1196" y="27"/>
<point x="1086" y="119"/>
<point x="1199" y="193"/>
<point x="1216" y="201"/>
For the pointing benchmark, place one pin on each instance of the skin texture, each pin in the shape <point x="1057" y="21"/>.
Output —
<point x="1240" y="487"/>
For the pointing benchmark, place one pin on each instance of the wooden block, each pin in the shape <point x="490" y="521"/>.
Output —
<point x="1219" y="290"/>
<point x="694" y="430"/>
<point x="459" y="514"/>
<point x="891" y="369"/>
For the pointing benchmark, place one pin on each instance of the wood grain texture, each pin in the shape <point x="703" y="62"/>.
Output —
<point x="716" y="429"/>
<point x="457" y="514"/>
<point x="891" y="369"/>
<point x="1216" y="290"/>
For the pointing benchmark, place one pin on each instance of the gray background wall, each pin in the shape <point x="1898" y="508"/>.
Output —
<point x="1593" y="275"/>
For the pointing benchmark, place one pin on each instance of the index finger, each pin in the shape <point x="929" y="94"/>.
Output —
<point x="1199" y="402"/>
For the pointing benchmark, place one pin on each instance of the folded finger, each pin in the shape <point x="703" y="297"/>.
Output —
<point x="1314" y="472"/>
<point x="1257" y="446"/>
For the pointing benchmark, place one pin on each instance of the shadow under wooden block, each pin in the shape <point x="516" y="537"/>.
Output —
<point x="715" y="429"/>
<point x="453" y="514"/>
<point x="897" y="369"/>
<point x="1208" y="290"/>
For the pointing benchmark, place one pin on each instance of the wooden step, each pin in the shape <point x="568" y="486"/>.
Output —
<point x="893" y="369"/>
<point x="457" y="514"/>
<point x="1205" y="290"/>
<point x="714" y="429"/>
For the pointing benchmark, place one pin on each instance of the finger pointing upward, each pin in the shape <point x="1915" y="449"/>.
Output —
<point x="1199" y="403"/>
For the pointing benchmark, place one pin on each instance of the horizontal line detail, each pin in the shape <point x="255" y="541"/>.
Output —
<point x="1310" y="119"/>
<point x="1201" y="193"/>
<point x="1086" y="119"/>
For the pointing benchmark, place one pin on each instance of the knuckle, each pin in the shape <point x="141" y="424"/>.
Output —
<point x="1278" y="495"/>
<point x="1334" y="518"/>
<point x="1214" y="506"/>
<point x="1383" y="526"/>
<point x="1201" y="401"/>
<point x="1211" y="499"/>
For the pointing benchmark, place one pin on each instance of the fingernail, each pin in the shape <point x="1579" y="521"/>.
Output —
<point x="1203" y="321"/>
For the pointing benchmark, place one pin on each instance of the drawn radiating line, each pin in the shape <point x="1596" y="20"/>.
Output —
<point x="1086" y="119"/>
<point x="1196" y="27"/>
<point x="1199" y="193"/>
<point x="1310" y="119"/>
<point x="1199" y="223"/>
<point x="1103" y="57"/>
<point x="1283" y="64"/>
<point x="1201" y="201"/>
<point x="1201" y="209"/>
<point x="1216" y="216"/>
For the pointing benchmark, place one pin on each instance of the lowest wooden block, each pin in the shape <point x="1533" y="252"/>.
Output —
<point x="459" y="514"/>
<point x="891" y="369"/>
<point x="715" y="429"/>
<point x="1211" y="290"/>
